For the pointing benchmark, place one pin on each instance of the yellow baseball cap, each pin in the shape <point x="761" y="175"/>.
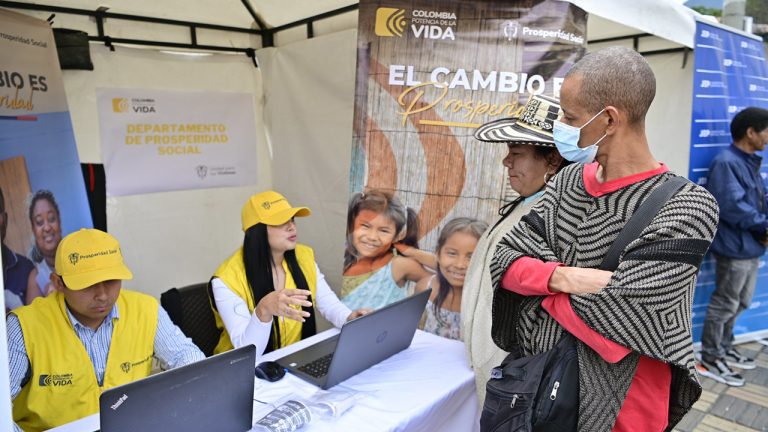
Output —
<point x="90" y="256"/>
<point x="270" y="208"/>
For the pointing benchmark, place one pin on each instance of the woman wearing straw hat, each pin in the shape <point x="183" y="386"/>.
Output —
<point x="531" y="162"/>
<point x="266" y="292"/>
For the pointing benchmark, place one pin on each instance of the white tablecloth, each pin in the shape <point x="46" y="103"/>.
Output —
<point x="427" y="387"/>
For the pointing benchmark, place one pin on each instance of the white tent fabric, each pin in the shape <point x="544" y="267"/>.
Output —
<point x="667" y="19"/>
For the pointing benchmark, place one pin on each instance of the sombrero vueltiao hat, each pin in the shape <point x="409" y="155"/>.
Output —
<point x="534" y="126"/>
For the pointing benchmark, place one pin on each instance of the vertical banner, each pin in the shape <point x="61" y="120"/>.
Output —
<point x="730" y="74"/>
<point x="429" y="72"/>
<point x="154" y="141"/>
<point x="43" y="194"/>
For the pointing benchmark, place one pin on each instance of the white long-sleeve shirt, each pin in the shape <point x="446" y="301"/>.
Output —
<point x="246" y="328"/>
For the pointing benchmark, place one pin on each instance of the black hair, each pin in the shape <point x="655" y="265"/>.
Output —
<point x="548" y="153"/>
<point x="39" y="195"/>
<point x="411" y="229"/>
<point x="258" y="262"/>
<point x="752" y="117"/>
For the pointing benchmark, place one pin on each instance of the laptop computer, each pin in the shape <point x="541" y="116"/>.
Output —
<point x="212" y="394"/>
<point x="362" y="343"/>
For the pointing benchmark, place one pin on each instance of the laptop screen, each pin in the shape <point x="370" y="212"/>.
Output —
<point x="215" y="394"/>
<point x="361" y="344"/>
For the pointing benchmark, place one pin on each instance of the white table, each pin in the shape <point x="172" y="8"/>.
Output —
<point x="427" y="387"/>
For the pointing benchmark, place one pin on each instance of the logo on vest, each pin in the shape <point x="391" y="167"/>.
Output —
<point x="55" y="380"/>
<point x="126" y="366"/>
<point x="74" y="257"/>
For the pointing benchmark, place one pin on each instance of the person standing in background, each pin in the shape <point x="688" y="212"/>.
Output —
<point x="742" y="234"/>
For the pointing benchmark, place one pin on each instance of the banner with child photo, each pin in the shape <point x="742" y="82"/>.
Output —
<point x="429" y="74"/>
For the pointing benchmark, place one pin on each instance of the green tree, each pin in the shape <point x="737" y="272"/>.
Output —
<point x="708" y="11"/>
<point x="757" y="9"/>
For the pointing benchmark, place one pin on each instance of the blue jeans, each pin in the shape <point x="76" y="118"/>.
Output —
<point x="735" y="281"/>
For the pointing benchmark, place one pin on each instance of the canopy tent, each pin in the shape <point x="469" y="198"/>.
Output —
<point x="304" y="129"/>
<point x="303" y="95"/>
<point x="667" y="19"/>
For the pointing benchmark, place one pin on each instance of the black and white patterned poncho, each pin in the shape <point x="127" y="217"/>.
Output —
<point x="647" y="304"/>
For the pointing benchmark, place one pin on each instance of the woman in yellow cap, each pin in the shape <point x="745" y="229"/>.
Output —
<point x="266" y="292"/>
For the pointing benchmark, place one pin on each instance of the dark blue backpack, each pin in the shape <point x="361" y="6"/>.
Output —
<point x="540" y="393"/>
<point x="534" y="393"/>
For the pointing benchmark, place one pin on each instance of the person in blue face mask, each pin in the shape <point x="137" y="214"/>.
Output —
<point x="567" y="141"/>
<point x="633" y="324"/>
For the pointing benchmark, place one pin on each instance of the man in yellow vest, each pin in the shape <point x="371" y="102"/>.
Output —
<point x="87" y="336"/>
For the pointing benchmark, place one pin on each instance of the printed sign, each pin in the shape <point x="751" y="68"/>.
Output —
<point x="428" y="74"/>
<point x="155" y="141"/>
<point x="43" y="195"/>
<point x="730" y="74"/>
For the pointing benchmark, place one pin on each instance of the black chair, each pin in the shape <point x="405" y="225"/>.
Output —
<point x="190" y="309"/>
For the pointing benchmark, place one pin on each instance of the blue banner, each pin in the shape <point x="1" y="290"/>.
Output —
<point x="41" y="183"/>
<point x="729" y="75"/>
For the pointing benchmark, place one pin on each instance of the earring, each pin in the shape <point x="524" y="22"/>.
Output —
<point x="547" y="176"/>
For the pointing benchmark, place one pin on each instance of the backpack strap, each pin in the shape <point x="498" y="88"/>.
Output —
<point x="641" y="219"/>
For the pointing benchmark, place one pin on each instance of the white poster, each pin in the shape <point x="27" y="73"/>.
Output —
<point x="155" y="141"/>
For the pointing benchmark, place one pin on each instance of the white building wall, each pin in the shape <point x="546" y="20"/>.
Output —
<point x="169" y="238"/>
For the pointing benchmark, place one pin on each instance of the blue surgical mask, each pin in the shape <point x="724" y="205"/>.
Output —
<point x="567" y="142"/>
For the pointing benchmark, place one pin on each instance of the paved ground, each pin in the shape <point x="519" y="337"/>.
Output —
<point x="733" y="409"/>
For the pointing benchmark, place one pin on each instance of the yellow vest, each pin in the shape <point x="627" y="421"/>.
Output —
<point x="63" y="386"/>
<point x="232" y="273"/>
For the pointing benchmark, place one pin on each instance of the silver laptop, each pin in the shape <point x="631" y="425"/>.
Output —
<point x="362" y="343"/>
<point x="215" y="394"/>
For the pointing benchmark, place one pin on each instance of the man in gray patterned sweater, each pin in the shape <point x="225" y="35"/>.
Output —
<point x="636" y="364"/>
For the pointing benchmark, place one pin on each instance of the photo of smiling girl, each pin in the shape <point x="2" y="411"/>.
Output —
<point x="375" y="273"/>
<point x="455" y="246"/>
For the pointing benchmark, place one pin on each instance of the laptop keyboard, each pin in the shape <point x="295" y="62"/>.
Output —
<point x="317" y="368"/>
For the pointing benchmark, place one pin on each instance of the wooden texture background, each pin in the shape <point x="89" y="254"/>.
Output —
<point x="14" y="180"/>
<point x="442" y="171"/>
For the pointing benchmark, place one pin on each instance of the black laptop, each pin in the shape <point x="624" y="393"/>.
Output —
<point x="362" y="343"/>
<point x="215" y="394"/>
